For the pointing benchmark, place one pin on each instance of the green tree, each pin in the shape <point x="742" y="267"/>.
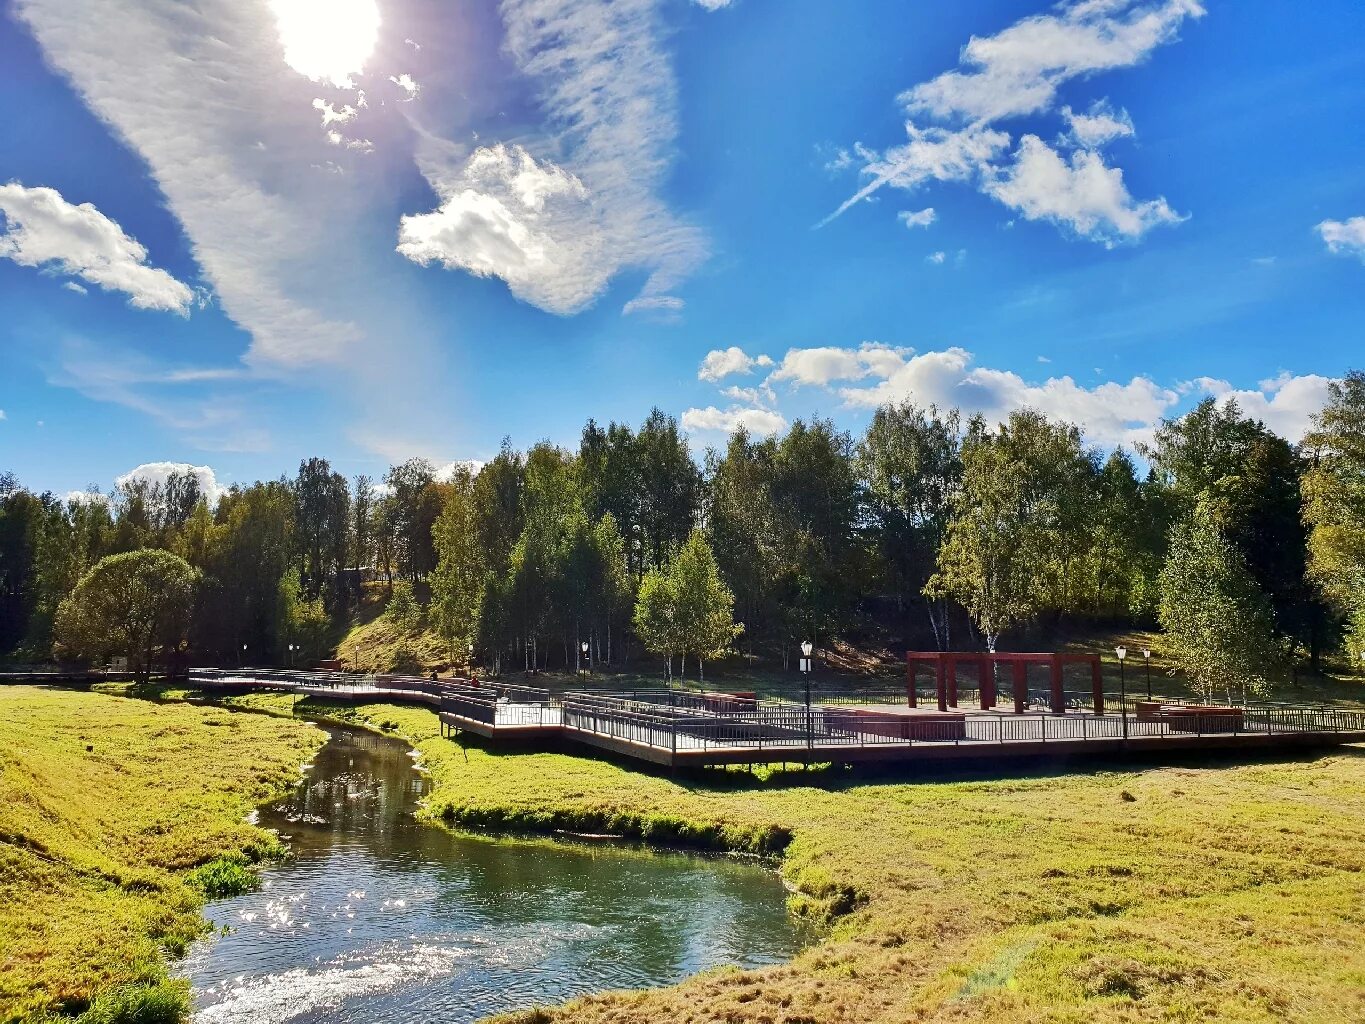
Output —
<point x="456" y="586"/>
<point x="655" y="619"/>
<point x="686" y="608"/>
<point x="304" y="622"/>
<point x="910" y="462"/>
<point x="742" y="526"/>
<point x="321" y="528"/>
<point x="1334" y="502"/>
<point x="1020" y="531"/>
<point x="705" y="605"/>
<point x="403" y="610"/>
<point x="1219" y="624"/>
<point x="136" y="604"/>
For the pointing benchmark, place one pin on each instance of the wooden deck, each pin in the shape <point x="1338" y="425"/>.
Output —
<point x="680" y="729"/>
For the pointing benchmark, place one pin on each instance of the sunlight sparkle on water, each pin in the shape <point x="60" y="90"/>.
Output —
<point x="327" y="40"/>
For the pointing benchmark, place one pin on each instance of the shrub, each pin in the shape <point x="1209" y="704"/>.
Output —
<point x="223" y="877"/>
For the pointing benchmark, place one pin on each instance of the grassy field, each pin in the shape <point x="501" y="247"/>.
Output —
<point x="117" y="817"/>
<point x="1213" y="891"/>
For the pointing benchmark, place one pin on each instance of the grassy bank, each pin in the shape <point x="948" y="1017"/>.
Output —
<point x="117" y="817"/>
<point x="1230" y="892"/>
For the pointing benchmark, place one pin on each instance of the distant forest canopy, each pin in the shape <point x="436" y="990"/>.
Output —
<point x="944" y="530"/>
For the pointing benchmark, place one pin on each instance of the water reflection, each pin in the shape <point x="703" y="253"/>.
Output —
<point x="378" y="918"/>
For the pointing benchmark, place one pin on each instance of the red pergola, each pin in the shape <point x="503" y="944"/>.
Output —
<point x="944" y="666"/>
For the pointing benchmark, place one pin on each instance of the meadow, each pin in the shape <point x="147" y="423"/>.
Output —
<point x="118" y="819"/>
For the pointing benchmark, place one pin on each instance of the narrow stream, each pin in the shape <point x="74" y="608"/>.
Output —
<point x="379" y="918"/>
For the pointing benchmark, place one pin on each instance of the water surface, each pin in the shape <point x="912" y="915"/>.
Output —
<point x="379" y="918"/>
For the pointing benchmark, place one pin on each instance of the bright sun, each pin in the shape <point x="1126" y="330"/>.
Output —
<point x="327" y="40"/>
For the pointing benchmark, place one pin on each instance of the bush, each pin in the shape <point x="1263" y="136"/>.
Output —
<point x="164" y="1002"/>
<point x="223" y="877"/>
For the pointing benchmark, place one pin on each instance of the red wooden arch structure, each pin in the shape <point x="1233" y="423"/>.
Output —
<point x="944" y="666"/>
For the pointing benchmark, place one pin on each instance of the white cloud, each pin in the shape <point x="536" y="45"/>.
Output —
<point x="72" y="286"/>
<point x="918" y="218"/>
<point x="44" y="230"/>
<point x="1098" y="126"/>
<point x="712" y="5"/>
<point x="405" y="82"/>
<point x="951" y="119"/>
<point x="2" y="415"/>
<point x="1018" y="70"/>
<point x="507" y="216"/>
<point x="938" y="258"/>
<point x="608" y="87"/>
<point x="157" y="472"/>
<point x="446" y="473"/>
<point x="757" y="421"/>
<point x="823" y="365"/>
<point x="1285" y="404"/>
<point x="723" y="362"/>
<point x="331" y="115"/>
<point x="1344" y="238"/>
<point x="1082" y="194"/>
<point x="92" y="496"/>
<point x="1110" y="413"/>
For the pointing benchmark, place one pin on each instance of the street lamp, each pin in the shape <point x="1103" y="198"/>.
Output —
<point x="242" y="659"/>
<point x="1122" y="652"/>
<point x="357" y="658"/>
<point x="1147" y="660"/>
<point x="806" y="648"/>
<point x="469" y="661"/>
<point x="584" y="648"/>
<point x="291" y="655"/>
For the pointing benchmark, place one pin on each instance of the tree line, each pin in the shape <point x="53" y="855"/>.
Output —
<point x="941" y="529"/>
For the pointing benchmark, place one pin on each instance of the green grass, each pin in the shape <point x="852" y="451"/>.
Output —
<point x="117" y="818"/>
<point x="1209" y="891"/>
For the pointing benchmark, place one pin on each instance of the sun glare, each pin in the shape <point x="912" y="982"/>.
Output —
<point x="327" y="40"/>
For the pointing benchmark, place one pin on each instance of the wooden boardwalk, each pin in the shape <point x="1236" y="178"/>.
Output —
<point x="678" y="728"/>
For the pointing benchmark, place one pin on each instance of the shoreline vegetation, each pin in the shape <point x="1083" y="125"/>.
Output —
<point x="1212" y="890"/>
<point x="118" y="820"/>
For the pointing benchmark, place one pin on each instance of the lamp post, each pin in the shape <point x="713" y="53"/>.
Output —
<point x="584" y="648"/>
<point x="1147" y="660"/>
<point x="357" y="657"/>
<point x="469" y="662"/>
<point x="242" y="660"/>
<point x="806" y="648"/>
<point x="291" y="655"/>
<point x="1122" y="652"/>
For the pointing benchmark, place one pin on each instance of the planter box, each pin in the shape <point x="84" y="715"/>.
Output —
<point x="899" y="723"/>
<point x="1194" y="718"/>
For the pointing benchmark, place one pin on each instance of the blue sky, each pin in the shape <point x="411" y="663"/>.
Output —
<point x="254" y="231"/>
